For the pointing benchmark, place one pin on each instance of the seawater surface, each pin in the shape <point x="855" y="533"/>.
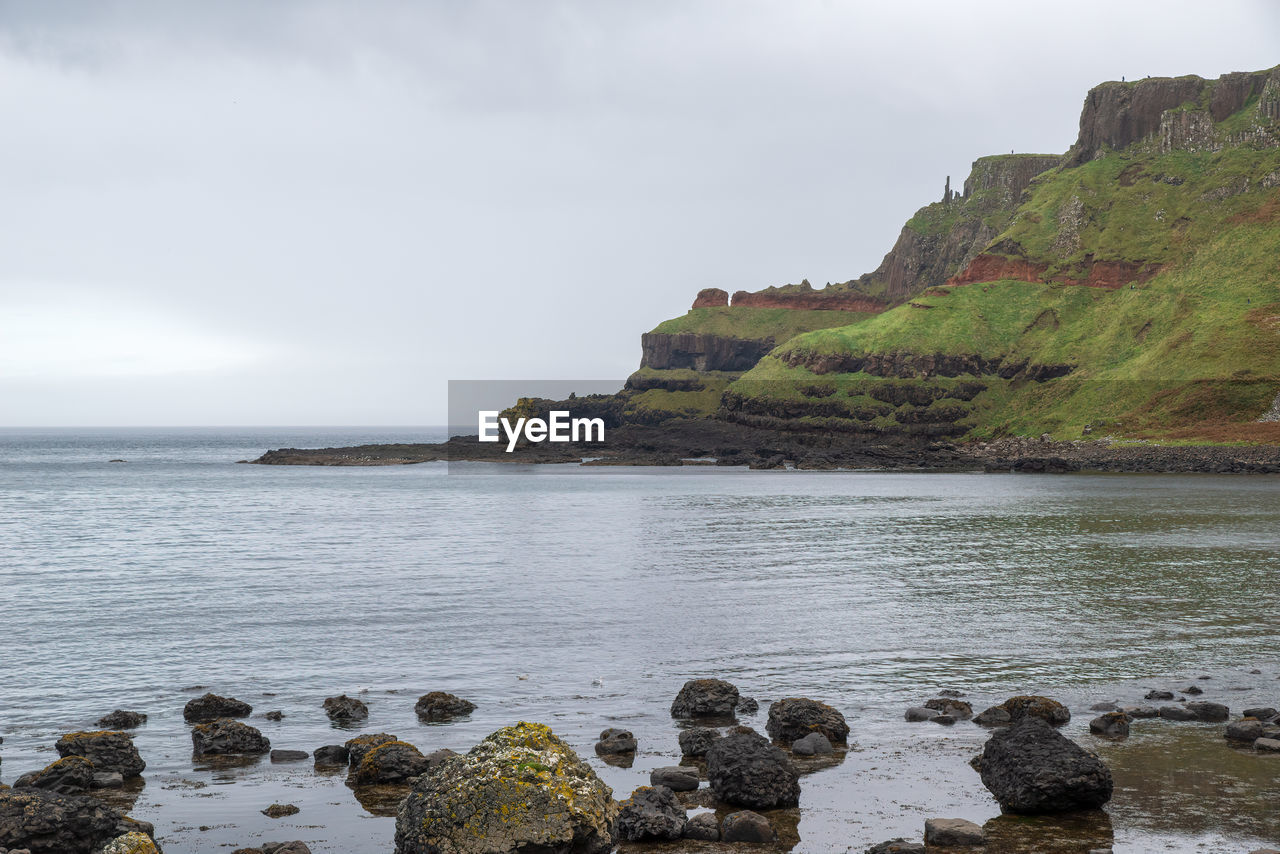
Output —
<point x="584" y="597"/>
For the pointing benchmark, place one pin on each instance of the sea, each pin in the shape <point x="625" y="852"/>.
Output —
<point x="584" y="597"/>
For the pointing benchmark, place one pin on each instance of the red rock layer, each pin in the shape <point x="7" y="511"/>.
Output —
<point x="711" y="298"/>
<point x="1094" y="274"/>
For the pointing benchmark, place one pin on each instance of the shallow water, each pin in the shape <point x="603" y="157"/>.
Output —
<point x="584" y="597"/>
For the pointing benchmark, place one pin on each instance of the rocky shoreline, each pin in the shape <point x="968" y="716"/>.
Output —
<point x="722" y="443"/>
<point x="523" y="788"/>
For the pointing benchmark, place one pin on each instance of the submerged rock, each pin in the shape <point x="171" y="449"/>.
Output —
<point x="390" y="762"/>
<point x="107" y="750"/>
<point x="675" y="778"/>
<point x="916" y="714"/>
<point x="121" y="719"/>
<point x="953" y="833"/>
<point x="1031" y="769"/>
<point x="747" y="826"/>
<point x="746" y="770"/>
<point x="813" y="744"/>
<point x="1177" y="713"/>
<point x="441" y="706"/>
<point x="705" y="698"/>
<point x="210" y="707"/>
<point x="1112" y="724"/>
<point x="331" y="754"/>
<point x="1158" y="695"/>
<point x="68" y="776"/>
<point x="796" y="717"/>
<point x="651" y="813"/>
<point x="343" y="709"/>
<point x="281" y="810"/>
<point x="1209" y="712"/>
<point x="225" y="736"/>
<point x="747" y="706"/>
<point x="696" y="741"/>
<point x="289" y="756"/>
<point x="522" y="789"/>
<point x="958" y="709"/>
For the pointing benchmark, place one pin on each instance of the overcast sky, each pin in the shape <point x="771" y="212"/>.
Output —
<point x="251" y="212"/>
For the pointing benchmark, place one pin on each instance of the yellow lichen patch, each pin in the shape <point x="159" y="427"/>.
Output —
<point x="131" y="843"/>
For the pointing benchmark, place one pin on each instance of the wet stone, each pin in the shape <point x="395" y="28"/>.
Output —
<point x="331" y="754"/>
<point x="1177" y="713"/>
<point x="747" y="826"/>
<point x="1158" y="695"/>
<point x="675" y="778"/>
<point x="702" y="826"/>
<point x="280" y="810"/>
<point x="813" y="744"/>
<point x="696" y="741"/>
<point x="289" y="756"/>
<point x="953" y="832"/>
<point x="615" y="741"/>
<point x="916" y="714"/>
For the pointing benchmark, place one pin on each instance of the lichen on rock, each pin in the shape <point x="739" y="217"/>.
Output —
<point x="521" y="788"/>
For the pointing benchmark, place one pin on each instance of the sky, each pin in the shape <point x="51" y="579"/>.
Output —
<point x="319" y="213"/>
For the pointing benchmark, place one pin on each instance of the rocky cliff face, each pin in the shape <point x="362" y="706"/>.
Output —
<point x="1180" y="111"/>
<point x="699" y="352"/>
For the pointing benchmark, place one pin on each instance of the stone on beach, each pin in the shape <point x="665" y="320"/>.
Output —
<point x="331" y="754"/>
<point x="344" y="709"/>
<point x="1032" y="769"/>
<point x="210" y="707"/>
<point x="651" y="813"/>
<point x="675" y="778"/>
<point x="1017" y="708"/>
<point x="289" y="755"/>
<point x="134" y="842"/>
<point x="297" y="846"/>
<point x="281" y="810"/>
<point x="1177" y="713"/>
<point x="744" y="769"/>
<point x="1262" y="713"/>
<point x="45" y="823"/>
<point x="897" y="846"/>
<point x="747" y="826"/>
<point x="958" y="709"/>
<point x="916" y="714"/>
<point x="702" y="826"/>
<point x="705" y="698"/>
<point x="228" y="737"/>
<point x="813" y="744"/>
<point x="1112" y="724"/>
<point x="1268" y="745"/>
<point x="442" y="706"/>
<point x="521" y="789"/>
<point x="1209" y="712"/>
<point x="360" y="745"/>
<point x="108" y="751"/>
<point x="796" y="717"/>
<point x="1158" y="695"/>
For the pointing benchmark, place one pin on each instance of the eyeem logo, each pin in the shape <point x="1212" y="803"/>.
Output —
<point x="560" y="428"/>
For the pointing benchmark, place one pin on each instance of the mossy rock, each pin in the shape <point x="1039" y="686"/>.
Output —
<point x="520" y="789"/>
<point x="131" y="843"/>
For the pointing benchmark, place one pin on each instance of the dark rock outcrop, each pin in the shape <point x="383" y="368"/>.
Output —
<point x="796" y="717"/>
<point x="210" y="707"/>
<point x="813" y="744"/>
<point x="700" y="351"/>
<point x="331" y="754"/>
<point x="703" y="827"/>
<point x="107" y="750"/>
<point x="1033" y="769"/>
<point x="744" y="769"/>
<point x="225" y="736"/>
<point x="616" y="741"/>
<point x="705" y="698"/>
<point x="71" y="775"/>
<point x="958" y="709"/>
<point x="442" y="706"/>
<point x="696" y="741"/>
<point x="1015" y="709"/>
<point x="46" y="823"/>
<point x="675" y="777"/>
<point x="360" y="745"/>
<point x="1111" y="724"/>
<point x="344" y="709"/>
<point x="651" y="813"/>
<point x="747" y="826"/>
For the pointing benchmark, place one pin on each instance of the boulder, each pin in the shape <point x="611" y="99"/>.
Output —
<point x="289" y="756"/>
<point x="1193" y="690"/>
<point x="796" y="717"/>
<point x="747" y="706"/>
<point x="1032" y="769"/>
<point x="133" y="842"/>
<point x="705" y="698"/>
<point x="897" y="846"/>
<point x="1158" y="695"/>
<point x="1248" y="729"/>
<point x="210" y="707"/>
<point x="675" y="778"/>
<point x="281" y="810"/>
<point x="343" y="709"/>
<point x="651" y="813"/>
<point x="68" y="776"/>
<point x="390" y="762"/>
<point x="360" y="745"/>
<point x="696" y="741"/>
<point x="1267" y="745"/>
<point x="614" y="741"/>
<point x="1262" y="713"/>
<point x="276" y="715"/>
<point x="1104" y="707"/>
<point x="1177" y="713"/>
<point x="106" y="749"/>
<point x="107" y="780"/>
<point x="1017" y="708"/>
<point x="441" y="706"/>
<point x="1209" y="712"/>
<point x="294" y="847"/>
<point x="915" y="714"/>
<point x="45" y="823"/>
<point x="702" y="826"/>
<point x="945" y="720"/>
<point x="120" y="719"/>
<point x="1141" y="711"/>
<point x="813" y="744"/>
<point x="225" y="736"/>
<point x="521" y="789"/>
<point x="958" y="709"/>
<point x="331" y="754"/>
<point x="1112" y="725"/>
<point x="746" y="770"/>
<point x="747" y="826"/>
<point x="953" y="833"/>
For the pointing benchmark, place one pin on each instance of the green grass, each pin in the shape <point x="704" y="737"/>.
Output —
<point x="756" y="323"/>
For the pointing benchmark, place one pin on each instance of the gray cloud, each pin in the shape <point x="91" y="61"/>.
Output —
<point x="369" y="199"/>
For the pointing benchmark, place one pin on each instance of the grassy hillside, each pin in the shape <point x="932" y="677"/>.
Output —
<point x="748" y="322"/>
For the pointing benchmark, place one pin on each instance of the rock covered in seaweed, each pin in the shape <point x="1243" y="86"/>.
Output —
<point x="107" y="750"/>
<point x="521" y="789"/>
<point x="121" y="719"/>
<point x="651" y="813"/>
<point x="705" y="698"/>
<point x="70" y="775"/>
<point x="344" y="709"/>
<point x="225" y="736"/>
<point x="210" y="707"/>
<point x="390" y="762"/>
<point x="795" y="717"/>
<point x="360" y="745"/>
<point x="45" y="823"/>
<point x="1015" y="709"/>
<point x="442" y="706"/>
<point x="744" y="769"/>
